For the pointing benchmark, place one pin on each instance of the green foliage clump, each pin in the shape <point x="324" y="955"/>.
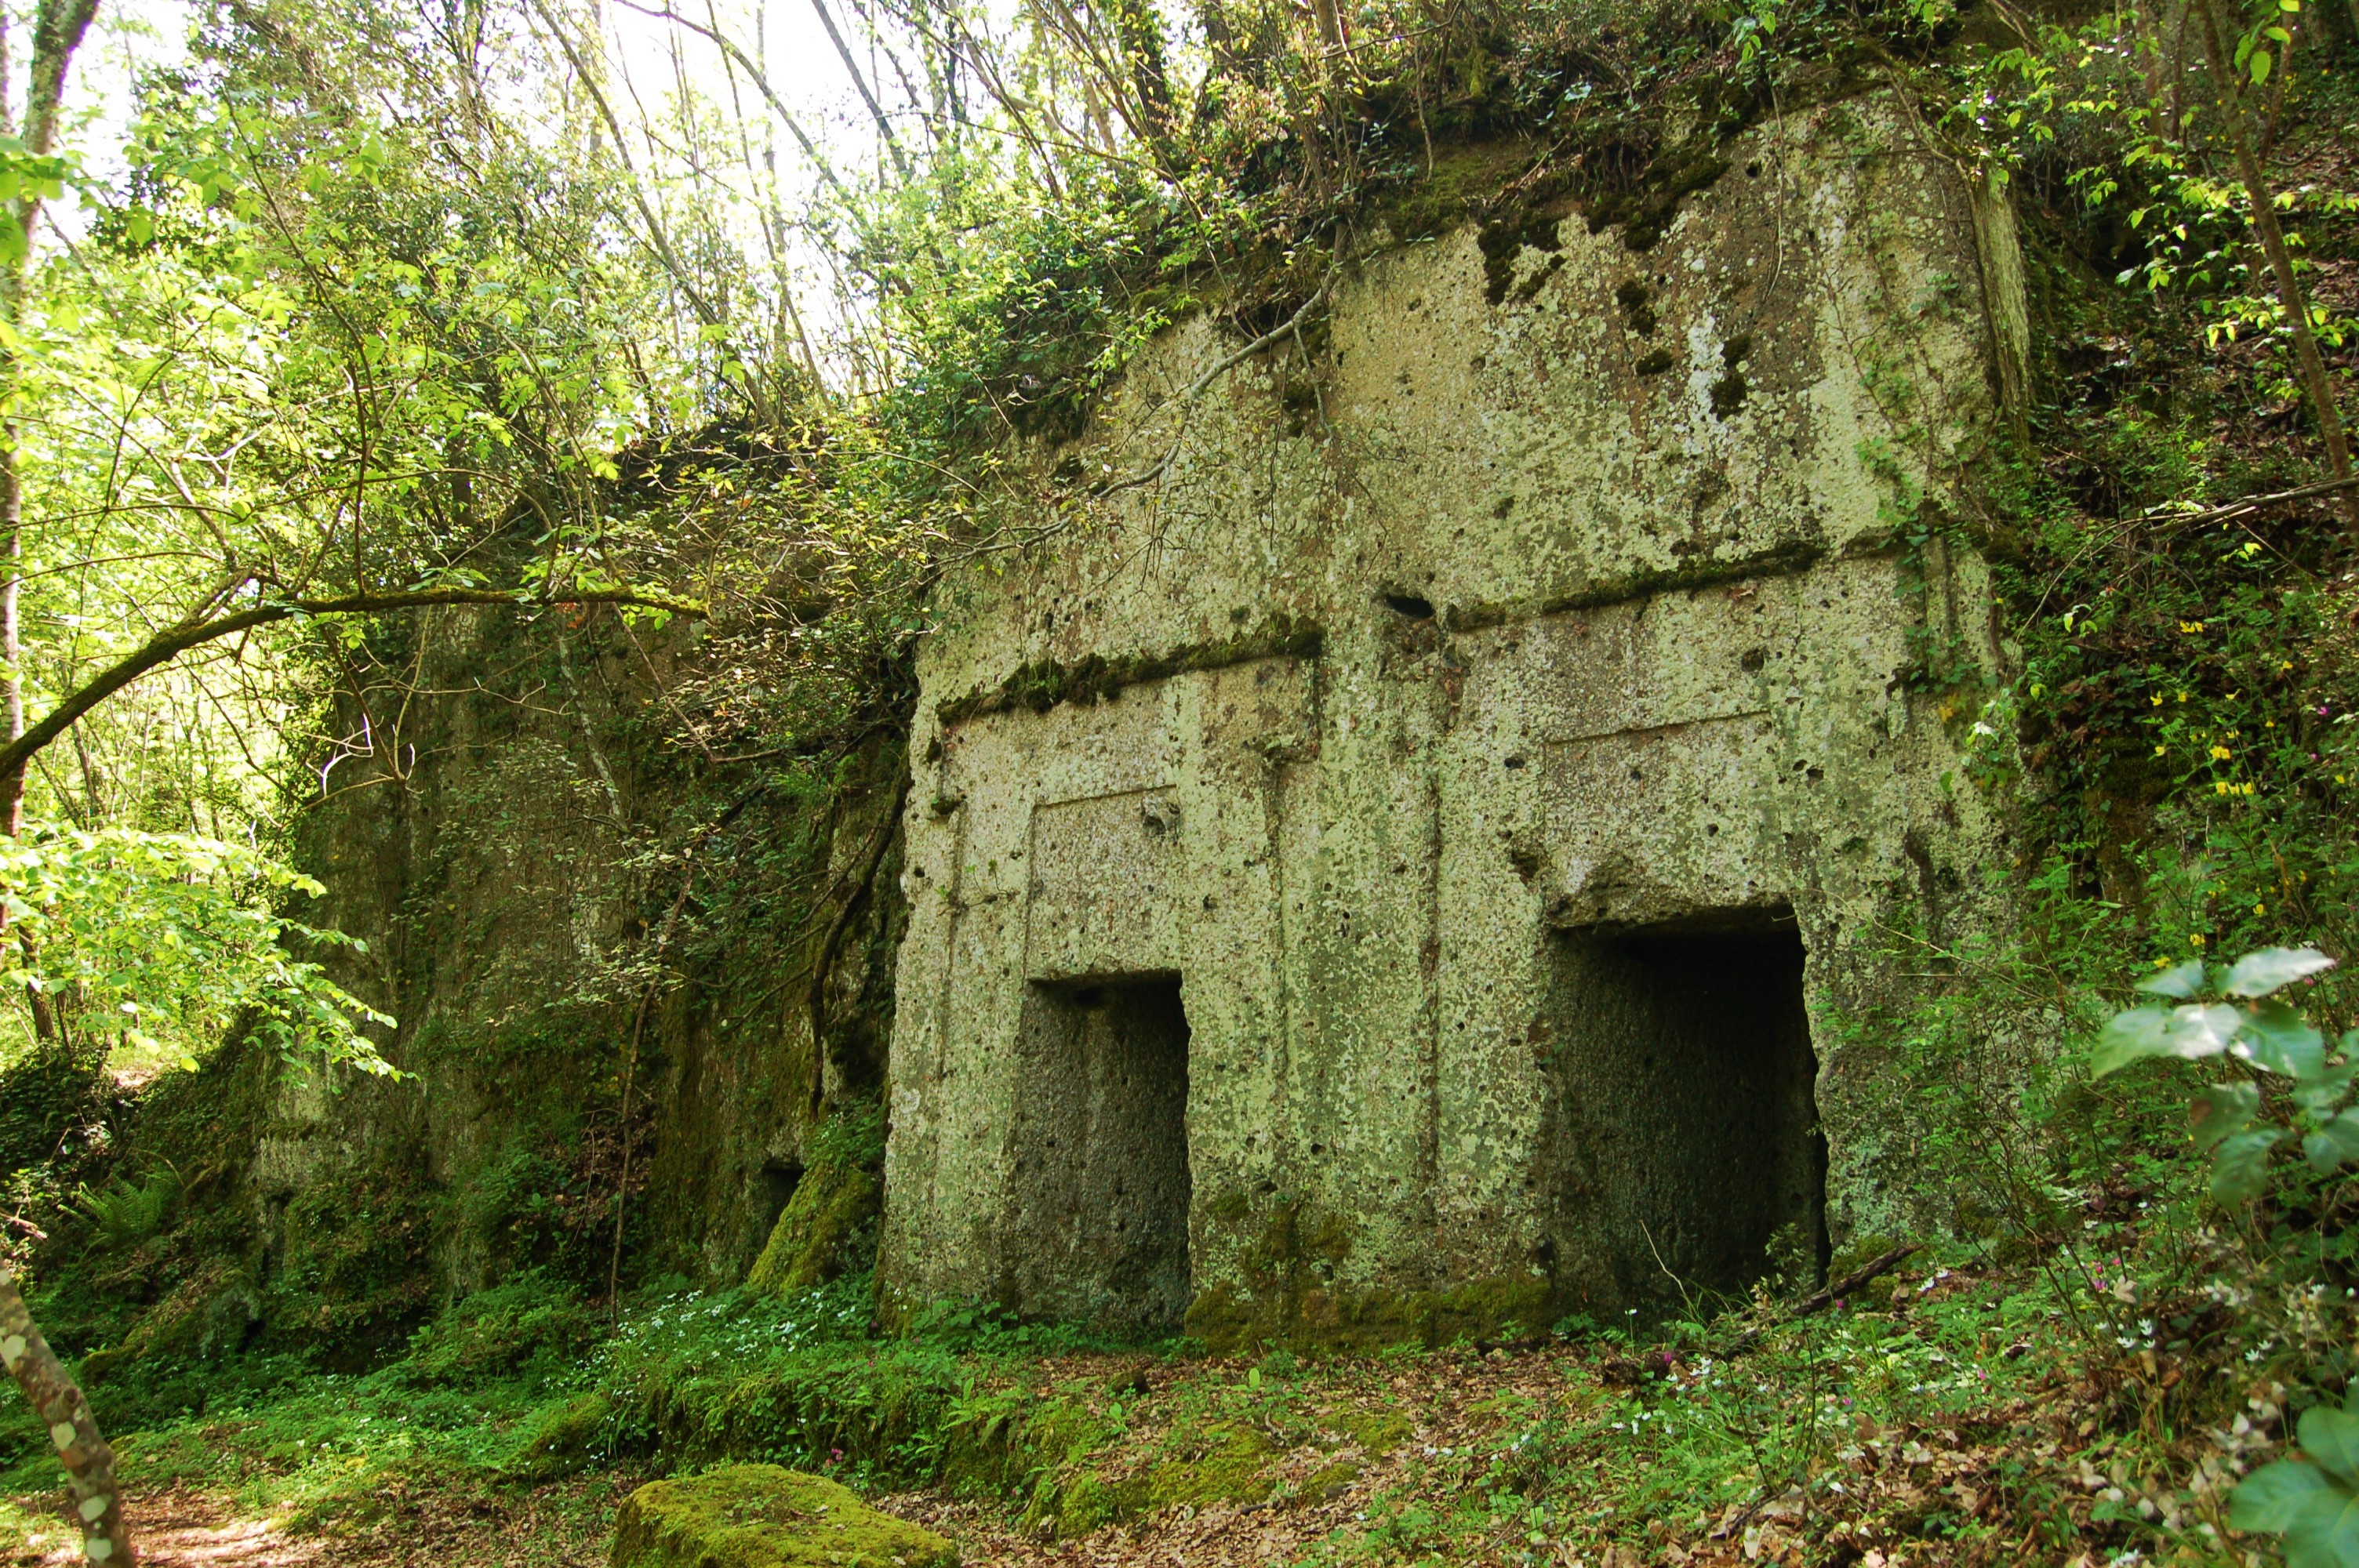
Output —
<point x="525" y="1327"/>
<point x="2312" y="1502"/>
<point x="142" y="931"/>
<point x="352" y="1281"/>
<point x="58" y="1122"/>
<point x="122" y="1214"/>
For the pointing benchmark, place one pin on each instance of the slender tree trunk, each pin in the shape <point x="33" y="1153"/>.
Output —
<point x="2270" y="121"/>
<point x="2179" y="70"/>
<point x="58" y="29"/>
<point x="1139" y="29"/>
<point x="2290" y="298"/>
<point x="2149" y="44"/>
<point x="852" y="68"/>
<point x="12" y="495"/>
<point x="89" y="1462"/>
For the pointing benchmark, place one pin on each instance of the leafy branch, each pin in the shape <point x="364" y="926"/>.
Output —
<point x="2233" y="1012"/>
<point x="205" y="624"/>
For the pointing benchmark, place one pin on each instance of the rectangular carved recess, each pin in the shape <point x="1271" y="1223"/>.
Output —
<point x="1101" y="1176"/>
<point x="1687" y="1157"/>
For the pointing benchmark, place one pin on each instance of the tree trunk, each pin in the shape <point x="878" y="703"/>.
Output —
<point x="2290" y="298"/>
<point x="58" y="29"/>
<point x="89" y="1462"/>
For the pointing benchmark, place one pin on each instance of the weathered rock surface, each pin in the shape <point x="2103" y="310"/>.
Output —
<point x="760" y="1516"/>
<point x="1403" y="867"/>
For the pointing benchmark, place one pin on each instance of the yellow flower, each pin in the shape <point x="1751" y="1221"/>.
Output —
<point x="2195" y="940"/>
<point x="2287" y="665"/>
<point x="2260" y="909"/>
<point x="2190" y="627"/>
<point x="2182" y="697"/>
<point x="2157" y="699"/>
<point x="2250" y="787"/>
<point x="2220" y="788"/>
<point x="2222" y="754"/>
<point x="2158" y="750"/>
<point x="2269" y="723"/>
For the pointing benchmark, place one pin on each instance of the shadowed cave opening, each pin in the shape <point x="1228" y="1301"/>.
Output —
<point x="1101" y="1170"/>
<point x="1687" y="1154"/>
<point x="773" y="1188"/>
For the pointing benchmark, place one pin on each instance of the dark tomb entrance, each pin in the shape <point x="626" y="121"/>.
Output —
<point x="1687" y="1153"/>
<point x="1101" y="1182"/>
<point x="774" y="1189"/>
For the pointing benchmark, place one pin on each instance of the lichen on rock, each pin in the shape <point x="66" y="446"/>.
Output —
<point x="761" y="1516"/>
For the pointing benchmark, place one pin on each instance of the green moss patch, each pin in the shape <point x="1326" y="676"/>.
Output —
<point x="1229" y="1463"/>
<point x="761" y="1516"/>
<point x="568" y="1438"/>
<point x="1288" y="1254"/>
<point x="1374" y="1432"/>
<point x="1045" y="683"/>
<point x="829" y="1226"/>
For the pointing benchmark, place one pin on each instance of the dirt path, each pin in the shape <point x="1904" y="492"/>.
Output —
<point x="561" y="1526"/>
<point x="187" y="1529"/>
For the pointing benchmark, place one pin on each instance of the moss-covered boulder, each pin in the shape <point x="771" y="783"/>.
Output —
<point x="759" y="1516"/>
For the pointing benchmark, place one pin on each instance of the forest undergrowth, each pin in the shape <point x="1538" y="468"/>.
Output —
<point x="2086" y="1394"/>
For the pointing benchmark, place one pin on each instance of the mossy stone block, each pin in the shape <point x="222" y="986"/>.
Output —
<point x="760" y="1516"/>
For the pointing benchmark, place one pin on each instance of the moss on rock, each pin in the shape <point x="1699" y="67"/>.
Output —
<point x="829" y="1226"/>
<point x="760" y="1516"/>
<point x="1374" y="1432"/>
<point x="1227" y="1462"/>
<point x="570" y="1437"/>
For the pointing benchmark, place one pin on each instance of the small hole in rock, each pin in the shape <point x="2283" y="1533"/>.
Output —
<point x="1410" y="605"/>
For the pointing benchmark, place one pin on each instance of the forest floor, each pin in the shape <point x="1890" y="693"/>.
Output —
<point x="1966" y="1420"/>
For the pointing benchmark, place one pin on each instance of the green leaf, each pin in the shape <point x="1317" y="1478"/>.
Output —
<point x="2241" y="1169"/>
<point x="2276" y="1039"/>
<point x="2319" y="1519"/>
<point x="2334" y="1145"/>
<point x="2258" y="974"/>
<point x="2129" y="1037"/>
<point x="2262" y="60"/>
<point x="2331" y="1437"/>
<point x="2181" y="982"/>
<point x="2316" y="1092"/>
<point x="2276" y="1497"/>
<point x="2191" y="1032"/>
<point x="2221" y="1110"/>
